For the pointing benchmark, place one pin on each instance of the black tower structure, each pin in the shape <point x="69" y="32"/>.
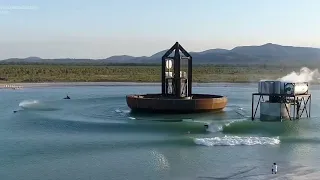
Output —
<point x="176" y="83"/>
<point x="176" y="89"/>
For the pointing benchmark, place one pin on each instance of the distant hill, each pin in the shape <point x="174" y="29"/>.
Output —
<point x="264" y="54"/>
<point x="218" y="51"/>
<point x="278" y="52"/>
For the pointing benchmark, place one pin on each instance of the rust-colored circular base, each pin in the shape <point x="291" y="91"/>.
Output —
<point x="158" y="103"/>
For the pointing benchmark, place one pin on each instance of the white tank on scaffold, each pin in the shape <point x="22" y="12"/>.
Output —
<point x="280" y="87"/>
<point x="282" y="100"/>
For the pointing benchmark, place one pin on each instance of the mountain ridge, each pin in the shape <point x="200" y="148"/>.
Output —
<point x="256" y="54"/>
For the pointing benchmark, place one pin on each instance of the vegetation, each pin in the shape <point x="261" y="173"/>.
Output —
<point x="135" y="73"/>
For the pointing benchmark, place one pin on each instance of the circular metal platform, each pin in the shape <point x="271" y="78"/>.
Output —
<point x="166" y="104"/>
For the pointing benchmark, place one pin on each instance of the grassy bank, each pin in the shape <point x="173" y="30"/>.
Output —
<point x="113" y="73"/>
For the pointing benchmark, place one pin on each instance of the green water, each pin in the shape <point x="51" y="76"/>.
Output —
<point x="94" y="136"/>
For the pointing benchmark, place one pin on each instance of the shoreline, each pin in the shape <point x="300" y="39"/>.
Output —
<point x="21" y="85"/>
<point x="73" y="84"/>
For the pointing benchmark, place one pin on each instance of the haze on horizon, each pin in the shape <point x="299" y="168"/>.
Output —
<point x="103" y="28"/>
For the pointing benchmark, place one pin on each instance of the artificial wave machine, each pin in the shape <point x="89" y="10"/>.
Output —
<point x="176" y="89"/>
<point x="279" y="100"/>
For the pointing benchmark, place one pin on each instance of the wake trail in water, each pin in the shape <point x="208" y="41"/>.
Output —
<point x="125" y="113"/>
<point x="239" y="110"/>
<point x="98" y="99"/>
<point x="37" y="105"/>
<point x="28" y="103"/>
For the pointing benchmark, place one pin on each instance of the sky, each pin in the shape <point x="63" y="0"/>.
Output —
<point x="103" y="28"/>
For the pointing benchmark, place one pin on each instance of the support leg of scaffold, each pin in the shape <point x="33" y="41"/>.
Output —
<point x="252" y="104"/>
<point x="255" y="112"/>
<point x="310" y="106"/>
<point x="298" y="109"/>
<point x="287" y="112"/>
<point x="304" y="107"/>
<point x="294" y="108"/>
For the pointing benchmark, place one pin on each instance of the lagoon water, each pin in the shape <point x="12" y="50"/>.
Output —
<point x="94" y="136"/>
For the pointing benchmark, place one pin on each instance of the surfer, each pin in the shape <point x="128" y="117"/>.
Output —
<point x="15" y="111"/>
<point x="67" y="97"/>
<point x="274" y="168"/>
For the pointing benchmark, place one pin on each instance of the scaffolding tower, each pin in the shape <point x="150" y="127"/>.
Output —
<point x="290" y="106"/>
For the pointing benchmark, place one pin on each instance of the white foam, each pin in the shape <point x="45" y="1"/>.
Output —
<point x="236" y="140"/>
<point x="28" y="103"/>
<point x="132" y="118"/>
<point x="36" y="105"/>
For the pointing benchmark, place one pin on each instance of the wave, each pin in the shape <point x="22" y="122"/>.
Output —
<point x="66" y="124"/>
<point x="37" y="105"/>
<point x="258" y="127"/>
<point x="237" y="140"/>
